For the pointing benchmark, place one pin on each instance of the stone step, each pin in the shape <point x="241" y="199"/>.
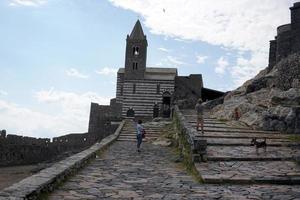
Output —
<point x="249" y="153"/>
<point x="134" y="140"/>
<point x="219" y="125"/>
<point x="134" y="137"/>
<point x="250" y="172"/>
<point x="232" y="130"/>
<point x="241" y="135"/>
<point x="129" y="131"/>
<point x="206" y="116"/>
<point x="134" y="133"/>
<point x="247" y="142"/>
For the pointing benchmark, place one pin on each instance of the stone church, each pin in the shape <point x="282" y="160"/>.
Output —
<point x="143" y="90"/>
<point x="148" y="92"/>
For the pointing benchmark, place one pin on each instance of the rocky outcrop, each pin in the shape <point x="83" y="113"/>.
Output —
<point x="270" y="101"/>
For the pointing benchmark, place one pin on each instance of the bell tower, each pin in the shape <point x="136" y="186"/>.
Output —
<point x="136" y="53"/>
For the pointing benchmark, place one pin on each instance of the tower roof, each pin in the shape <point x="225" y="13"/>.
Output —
<point x="137" y="32"/>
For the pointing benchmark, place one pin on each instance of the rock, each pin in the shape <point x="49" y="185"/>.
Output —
<point x="258" y="84"/>
<point x="157" y="119"/>
<point x="269" y="101"/>
<point x="162" y="142"/>
<point x="213" y="103"/>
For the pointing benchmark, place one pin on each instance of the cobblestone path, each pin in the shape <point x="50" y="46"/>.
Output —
<point x="122" y="173"/>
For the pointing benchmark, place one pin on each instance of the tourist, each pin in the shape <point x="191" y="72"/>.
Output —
<point x="139" y="134"/>
<point x="199" y="108"/>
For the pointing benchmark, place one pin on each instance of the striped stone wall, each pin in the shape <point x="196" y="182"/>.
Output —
<point x="144" y="97"/>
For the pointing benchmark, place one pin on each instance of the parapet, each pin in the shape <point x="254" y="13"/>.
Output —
<point x="295" y="6"/>
<point x="283" y="28"/>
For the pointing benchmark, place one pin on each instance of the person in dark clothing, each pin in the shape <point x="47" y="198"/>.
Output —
<point x="139" y="134"/>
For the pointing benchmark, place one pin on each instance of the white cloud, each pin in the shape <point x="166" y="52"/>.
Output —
<point x="72" y="117"/>
<point x="164" y="49"/>
<point x="201" y="59"/>
<point x="244" y="25"/>
<point x="75" y="73"/>
<point x="34" y="3"/>
<point x="222" y="64"/>
<point x="245" y="69"/>
<point x="175" y="61"/>
<point x="3" y="93"/>
<point x="107" y="71"/>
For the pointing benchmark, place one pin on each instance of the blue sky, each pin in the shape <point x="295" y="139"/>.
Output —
<point x="56" y="56"/>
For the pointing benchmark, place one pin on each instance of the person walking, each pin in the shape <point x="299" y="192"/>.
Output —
<point x="139" y="134"/>
<point x="199" y="108"/>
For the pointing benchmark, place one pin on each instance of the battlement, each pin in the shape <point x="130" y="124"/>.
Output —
<point x="283" y="28"/>
<point x="295" y="6"/>
<point x="23" y="150"/>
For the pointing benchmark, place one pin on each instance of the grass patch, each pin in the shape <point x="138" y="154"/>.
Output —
<point x="183" y="150"/>
<point x="294" y="138"/>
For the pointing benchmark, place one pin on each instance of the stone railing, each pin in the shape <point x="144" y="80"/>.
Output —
<point x="47" y="179"/>
<point x="191" y="145"/>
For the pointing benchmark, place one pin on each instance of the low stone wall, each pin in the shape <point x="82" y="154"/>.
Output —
<point x="192" y="146"/>
<point x="47" y="179"/>
<point x="19" y="150"/>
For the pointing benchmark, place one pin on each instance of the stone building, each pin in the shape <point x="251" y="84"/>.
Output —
<point x="142" y="89"/>
<point x="287" y="40"/>
<point x="147" y="92"/>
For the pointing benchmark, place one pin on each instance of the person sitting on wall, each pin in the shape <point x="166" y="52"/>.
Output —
<point x="199" y="108"/>
<point x="140" y="131"/>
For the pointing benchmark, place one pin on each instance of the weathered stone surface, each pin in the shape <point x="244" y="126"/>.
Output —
<point x="232" y="159"/>
<point x="269" y="101"/>
<point x="152" y="174"/>
<point x="45" y="180"/>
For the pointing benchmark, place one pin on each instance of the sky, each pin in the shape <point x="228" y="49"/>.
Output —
<point x="58" y="56"/>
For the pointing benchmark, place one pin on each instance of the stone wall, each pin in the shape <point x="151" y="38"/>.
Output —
<point x="142" y="95"/>
<point x="19" y="150"/>
<point x="287" y="40"/>
<point x="191" y="146"/>
<point x="103" y="115"/>
<point x="188" y="89"/>
<point x="38" y="185"/>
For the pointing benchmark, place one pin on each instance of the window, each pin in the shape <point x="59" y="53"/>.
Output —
<point x="134" y="88"/>
<point x="135" y="51"/>
<point x="158" y="88"/>
<point x="121" y="92"/>
<point x="134" y="66"/>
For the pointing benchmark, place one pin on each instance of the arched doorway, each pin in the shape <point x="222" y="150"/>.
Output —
<point x="130" y="113"/>
<point x="166" y="104"/>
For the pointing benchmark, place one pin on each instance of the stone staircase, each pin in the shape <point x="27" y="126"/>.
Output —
<point x="153" y="130"/>
<point x="231" y="158"/>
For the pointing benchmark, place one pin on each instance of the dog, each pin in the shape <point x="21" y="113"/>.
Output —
<point x="261" y="144"/>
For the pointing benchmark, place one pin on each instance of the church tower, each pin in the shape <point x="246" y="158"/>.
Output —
<point x="136" y="53"/>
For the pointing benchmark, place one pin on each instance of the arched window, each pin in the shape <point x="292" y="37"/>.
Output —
<point x="135" y="51"/>
<point x="134" y="66"/>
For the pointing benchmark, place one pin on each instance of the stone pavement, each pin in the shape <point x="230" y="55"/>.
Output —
<point x="153" y="130"/>
<point x="122" y="173"/>
<point x="233" y="160"/>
